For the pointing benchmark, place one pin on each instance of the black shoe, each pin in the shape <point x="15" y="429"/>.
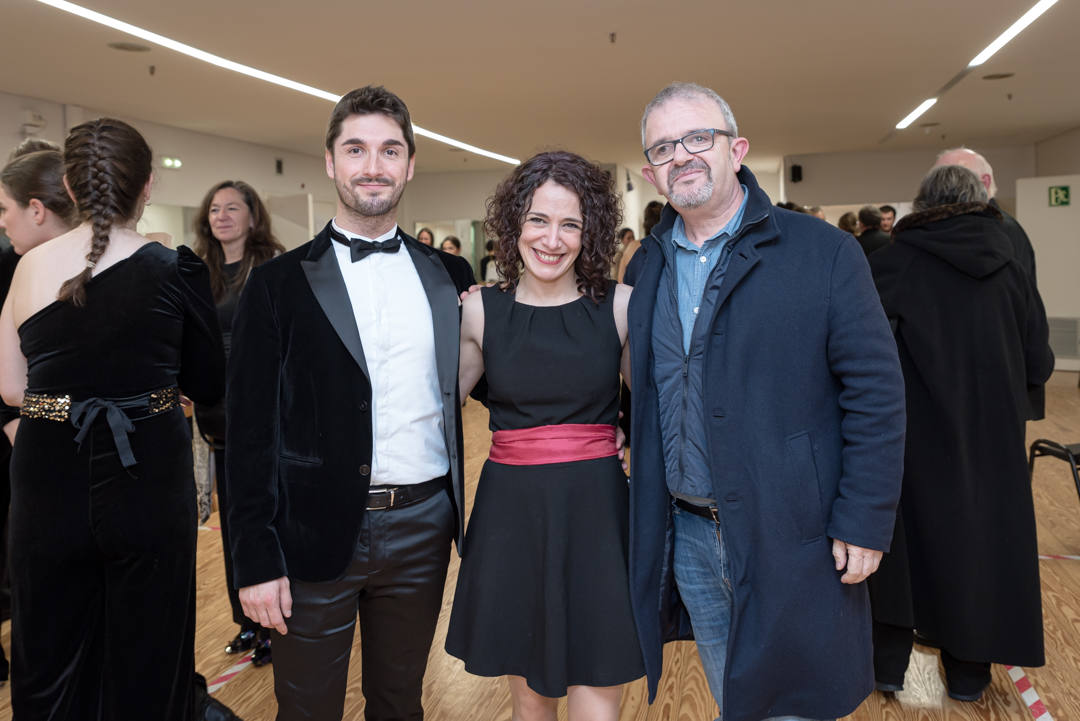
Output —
<point x="207" y="708"/>
<point x="966" y="696"/>
<point x="261" y="655"/>
<point x="244" y="641"/>
<point x="888" y="687"/>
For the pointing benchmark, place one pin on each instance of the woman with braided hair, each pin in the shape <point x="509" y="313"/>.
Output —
<point x="100" y="330"/>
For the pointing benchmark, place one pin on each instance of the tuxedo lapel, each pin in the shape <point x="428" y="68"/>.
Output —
<point x="324" y="276"/>
<point x="445" y="318"/>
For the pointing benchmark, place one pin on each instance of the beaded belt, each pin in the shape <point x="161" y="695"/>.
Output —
<point x="119" y="412"/>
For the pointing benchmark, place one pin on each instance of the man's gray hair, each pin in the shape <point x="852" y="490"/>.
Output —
<point x="949" y="184"/>
<point x="689" y="91"/>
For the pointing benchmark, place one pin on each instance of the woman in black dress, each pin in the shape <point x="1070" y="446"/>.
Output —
<point x="232" y="236"/>
<point x="34" y="208"/>
<point x="543" y="596"/>
<point x="101" y="330"/>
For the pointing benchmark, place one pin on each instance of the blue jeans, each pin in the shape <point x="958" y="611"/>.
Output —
<point x="703" y="575"/>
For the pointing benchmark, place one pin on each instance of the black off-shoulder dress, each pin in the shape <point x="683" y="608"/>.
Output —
<point x="102" y="539"/>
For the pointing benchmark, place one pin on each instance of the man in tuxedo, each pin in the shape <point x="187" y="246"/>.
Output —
<point x="345" y="459"/>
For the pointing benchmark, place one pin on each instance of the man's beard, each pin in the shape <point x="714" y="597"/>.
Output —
<point x="369" y="207"/>
<point x="692" y="198"/>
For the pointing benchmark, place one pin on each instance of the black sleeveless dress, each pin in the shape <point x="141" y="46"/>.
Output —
<point x="103" y="555"/>
<point x="543" y="590"/>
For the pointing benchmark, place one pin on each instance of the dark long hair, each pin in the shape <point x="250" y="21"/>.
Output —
<point x="107" y="165"/>
<point x="601" y="210"/>
<point x="40" y="175"/>
<point x="259" y="246"/>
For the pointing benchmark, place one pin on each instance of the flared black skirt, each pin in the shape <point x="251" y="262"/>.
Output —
<point x="543" y="590"/>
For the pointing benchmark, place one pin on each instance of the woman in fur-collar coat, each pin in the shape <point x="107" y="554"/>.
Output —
<point x="972" y="335"/>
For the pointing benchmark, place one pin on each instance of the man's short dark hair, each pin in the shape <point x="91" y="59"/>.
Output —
<point x="870" y="217"/>
<point x="370" y="100"/>
<point x="887" y="209"/>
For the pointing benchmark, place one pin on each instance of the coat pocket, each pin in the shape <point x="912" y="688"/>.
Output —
<point x="804" y="487"/>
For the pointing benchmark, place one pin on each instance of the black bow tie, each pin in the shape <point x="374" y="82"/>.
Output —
<point x="358" y="247"/>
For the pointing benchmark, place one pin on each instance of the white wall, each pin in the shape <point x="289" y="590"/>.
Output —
<point x="634" y="201"/>
<point x="770" y="181"/>
<point x="1059" y="155"/>
<point x="168" y="219"/>
<point x="878" y="177"/>
<point x="207" y="159"/>
<point x="1055" y="235"/>
<point x="12" y="112"/>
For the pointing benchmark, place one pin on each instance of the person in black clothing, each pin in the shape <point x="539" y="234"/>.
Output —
<point x="232" y="236"/>
<point x="871" y="236"/>
<point x="34" y="208"/>
<point x="345" y="468"/>
<point x="972" y="336"/>
<point x="100" y="329"/>
<point x="1018" y="240"/>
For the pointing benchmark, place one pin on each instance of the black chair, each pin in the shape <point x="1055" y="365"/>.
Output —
<point x="1070" y="454"/>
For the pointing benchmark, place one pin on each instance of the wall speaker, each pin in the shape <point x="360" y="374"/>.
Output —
<point x="796" y="173"/>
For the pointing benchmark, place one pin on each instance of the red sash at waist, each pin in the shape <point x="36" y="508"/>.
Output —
<point x="553" y="444"/>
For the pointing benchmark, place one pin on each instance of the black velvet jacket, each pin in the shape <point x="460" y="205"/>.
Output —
<point x="299" y="409"/>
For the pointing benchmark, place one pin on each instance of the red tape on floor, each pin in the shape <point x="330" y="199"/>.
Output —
<point x="229" y="674"/>
<point x="1053" y="557"/>
<point x="1028" y="694"/>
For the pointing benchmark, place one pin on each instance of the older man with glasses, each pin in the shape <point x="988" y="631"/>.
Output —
<point x="768" y="425"/>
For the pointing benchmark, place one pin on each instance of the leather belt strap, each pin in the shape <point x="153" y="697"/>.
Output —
<point x="385" y="498"/>
<point x="709" y="512"/>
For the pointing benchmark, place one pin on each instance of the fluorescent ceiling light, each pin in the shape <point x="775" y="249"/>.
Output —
<point x="1015" y="29"/>
<point x="914" y="114"/>
<point x="236" y="67"/>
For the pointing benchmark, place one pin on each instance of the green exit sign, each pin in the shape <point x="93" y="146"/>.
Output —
<point x="1059" y="195"/>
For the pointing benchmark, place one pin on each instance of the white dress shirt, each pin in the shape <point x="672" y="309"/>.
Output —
<point x="393" y="317"/>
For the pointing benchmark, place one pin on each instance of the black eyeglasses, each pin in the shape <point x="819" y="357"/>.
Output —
<point x="696" y="142"/>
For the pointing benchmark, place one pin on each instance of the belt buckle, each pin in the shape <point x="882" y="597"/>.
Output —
<point x="388" y="506"/>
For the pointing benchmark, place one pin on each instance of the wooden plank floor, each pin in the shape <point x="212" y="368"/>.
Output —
<point x="450" y="694"/>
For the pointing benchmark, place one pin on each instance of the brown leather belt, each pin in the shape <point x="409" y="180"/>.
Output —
<point x="385" y="498"/>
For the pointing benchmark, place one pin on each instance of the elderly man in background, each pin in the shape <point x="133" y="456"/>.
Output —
<point x="1022" y="251"/>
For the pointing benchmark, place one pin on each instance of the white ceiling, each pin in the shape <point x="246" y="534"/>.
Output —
<point x="518" y="77"/>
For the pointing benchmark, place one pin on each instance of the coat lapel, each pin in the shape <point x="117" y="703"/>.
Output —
<point x="640" y="311"/>
<point x="443" y="299"/>
<point x="324" y="276"/>
<point x="742" y="262"/>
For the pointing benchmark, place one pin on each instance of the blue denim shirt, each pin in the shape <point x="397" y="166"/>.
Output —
<point x="694" y="265"/>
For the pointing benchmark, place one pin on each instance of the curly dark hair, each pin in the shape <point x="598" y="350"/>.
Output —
<point x="259" y="247"/>
<point x="601" y="210"/>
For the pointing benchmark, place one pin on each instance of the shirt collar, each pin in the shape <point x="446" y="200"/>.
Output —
<point x="348" y="234"/>
<point x="678" y="230"/>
